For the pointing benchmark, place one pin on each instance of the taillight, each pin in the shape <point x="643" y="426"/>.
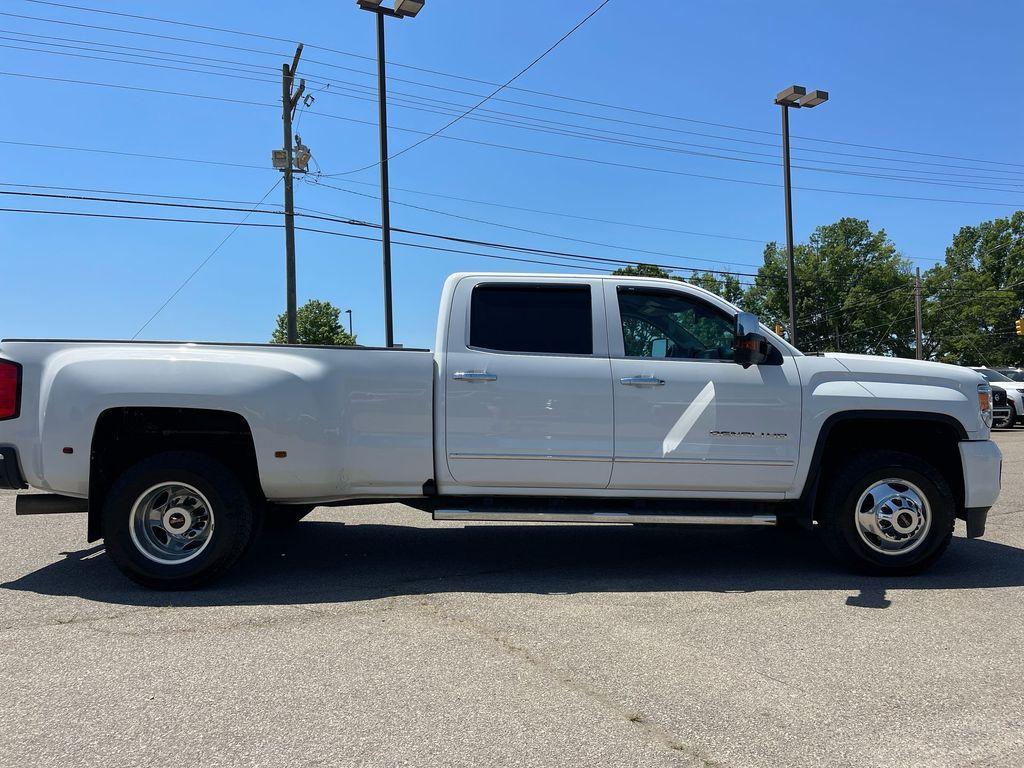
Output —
<point x="10" y="389"/>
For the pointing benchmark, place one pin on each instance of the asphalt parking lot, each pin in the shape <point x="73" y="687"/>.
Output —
<point x="373" y="636"/>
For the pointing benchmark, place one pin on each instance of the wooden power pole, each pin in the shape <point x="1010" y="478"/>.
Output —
<point x="917" y="314"/>
<point x="288" y="104"/>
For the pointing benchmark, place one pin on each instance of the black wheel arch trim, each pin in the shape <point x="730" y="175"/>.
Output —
<point x="813" y="479"/>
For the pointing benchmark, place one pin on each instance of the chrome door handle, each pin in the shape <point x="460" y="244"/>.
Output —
<point x="473" y="376"/>
<point x="642" y="381"/>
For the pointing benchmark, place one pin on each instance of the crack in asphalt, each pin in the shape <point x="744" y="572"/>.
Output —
<point x="651" y="730"/>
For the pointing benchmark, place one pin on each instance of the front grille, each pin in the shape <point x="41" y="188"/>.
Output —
<point x="998" y="398"/>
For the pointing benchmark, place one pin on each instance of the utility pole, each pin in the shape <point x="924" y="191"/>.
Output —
<point x="917" y="313"/>
<point x="288" y="104"/>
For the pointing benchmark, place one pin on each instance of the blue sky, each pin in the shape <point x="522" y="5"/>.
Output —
<point x="941" y="78"/>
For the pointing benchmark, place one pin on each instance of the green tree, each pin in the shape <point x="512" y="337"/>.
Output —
<point x="726" y="286"/>
<point x="644" y="270"/>
<point x="317" y="322"/>
<point x="855" y="291"/>
<point x="976" y="294"/>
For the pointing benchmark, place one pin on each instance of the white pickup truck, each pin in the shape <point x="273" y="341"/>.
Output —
<point x="546" y="398"/>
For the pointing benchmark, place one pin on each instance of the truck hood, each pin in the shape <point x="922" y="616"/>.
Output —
<point x="851" y="382"/>
<point x="876" y="365"/>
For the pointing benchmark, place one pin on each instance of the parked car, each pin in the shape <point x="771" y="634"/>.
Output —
<point x="1014" y="393"/>
<point x="1002" y="413"/>
<point x="546" y="398"/>
<point x="1016" y="374"/>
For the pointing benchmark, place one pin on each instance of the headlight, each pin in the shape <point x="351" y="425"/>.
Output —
<point x="985" y="403"/>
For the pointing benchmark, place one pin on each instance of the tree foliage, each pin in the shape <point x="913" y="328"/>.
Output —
<point x="317" y="322"/>
<point x="854" y="291"/>
<point x="976" y="294"/>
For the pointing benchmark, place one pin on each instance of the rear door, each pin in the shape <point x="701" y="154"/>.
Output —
<point x="687" y="418"/>
<point x="528" y="394"/>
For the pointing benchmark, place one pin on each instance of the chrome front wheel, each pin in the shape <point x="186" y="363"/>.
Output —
<point x="893" y="516"/>
<point x="171" y="523"/>
<point x="887" y="512"/>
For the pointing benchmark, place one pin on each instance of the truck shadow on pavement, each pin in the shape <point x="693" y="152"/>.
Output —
<point x="329" y="562"/>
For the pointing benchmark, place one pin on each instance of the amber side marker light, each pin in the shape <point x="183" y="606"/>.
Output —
<point x="280" y="454"/>
<point x="985" y="403"/>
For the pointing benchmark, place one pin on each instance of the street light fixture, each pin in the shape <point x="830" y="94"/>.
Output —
<point x="794" y="97"/>
<point x="399" y="10"/>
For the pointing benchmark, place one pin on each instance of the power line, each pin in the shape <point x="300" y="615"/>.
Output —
<point x="509" y="147"/>
<point x="366" y="89"/>
<point x="527" y="126"/>
<point x="452" y="75"/>
<point x="204" y="262"/>
<point x="130" y="154"/>
<point x="560" y="214"/>
<point x="356" y="222"/>
<point x="524" y="229"/>
<point x="589" y="132"/>
<point x="495" y="92"/>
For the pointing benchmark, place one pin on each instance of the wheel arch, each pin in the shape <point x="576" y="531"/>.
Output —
<point x="931" y="436"/>
<point x="124" y="436"/>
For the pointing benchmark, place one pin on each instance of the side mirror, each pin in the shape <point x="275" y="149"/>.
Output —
<point x="659" y="347"/>
<point x="749" y="347"/>
<point x="747" y="323"/>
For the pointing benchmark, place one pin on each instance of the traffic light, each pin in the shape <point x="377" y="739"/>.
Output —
<point x="1020" y="327"/>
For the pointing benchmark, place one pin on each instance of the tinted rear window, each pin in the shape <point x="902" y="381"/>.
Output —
<point x="550" y="319"/>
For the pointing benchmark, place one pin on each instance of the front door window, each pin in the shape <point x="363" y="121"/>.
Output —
<point x="665" y="323"/>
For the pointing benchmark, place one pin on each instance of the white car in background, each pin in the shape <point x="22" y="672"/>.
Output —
<point x="1014" y="393"/>
<point x="1017" y="374"/>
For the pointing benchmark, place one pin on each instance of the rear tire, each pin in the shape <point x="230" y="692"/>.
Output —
<point x="888" y="513"/>
<point x="177" y="520"/>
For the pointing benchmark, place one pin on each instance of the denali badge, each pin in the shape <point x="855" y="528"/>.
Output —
<point x="761" y="435"/>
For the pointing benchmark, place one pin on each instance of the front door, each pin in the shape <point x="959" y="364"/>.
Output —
<point x="686" y="416"/>
<point x="528" y="394"/>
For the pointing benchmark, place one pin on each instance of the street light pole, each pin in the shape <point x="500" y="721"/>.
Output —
<point x="401" y="9"/>
<point x="794" y="97"/>
<point x="349" y="313"/>
<point x="787" y="182"/>
<point x="385" y="202"/>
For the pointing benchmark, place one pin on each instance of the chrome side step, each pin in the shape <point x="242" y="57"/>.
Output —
<point x="598" y="516"/>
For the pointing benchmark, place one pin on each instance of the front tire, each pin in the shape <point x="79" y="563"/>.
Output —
<point x="177" y="520"/>
<point x="888" y="513"/>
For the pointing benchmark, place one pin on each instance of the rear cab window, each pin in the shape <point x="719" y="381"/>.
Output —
<point x="539" y="318"/>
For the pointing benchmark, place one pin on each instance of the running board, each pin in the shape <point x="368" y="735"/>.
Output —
<point x="583" y="516"/>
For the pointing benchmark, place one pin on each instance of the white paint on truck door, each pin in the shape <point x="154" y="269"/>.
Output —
<point x="528" y="393"/>
<point x="687" y="417"/>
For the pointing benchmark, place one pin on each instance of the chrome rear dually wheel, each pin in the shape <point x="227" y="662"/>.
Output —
<point x="172" y="523"/>
<point x="177" y="520"/>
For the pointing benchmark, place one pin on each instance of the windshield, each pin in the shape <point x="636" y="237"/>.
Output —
<point x="991" y="375"/>
<point x="1014" y="374"/>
